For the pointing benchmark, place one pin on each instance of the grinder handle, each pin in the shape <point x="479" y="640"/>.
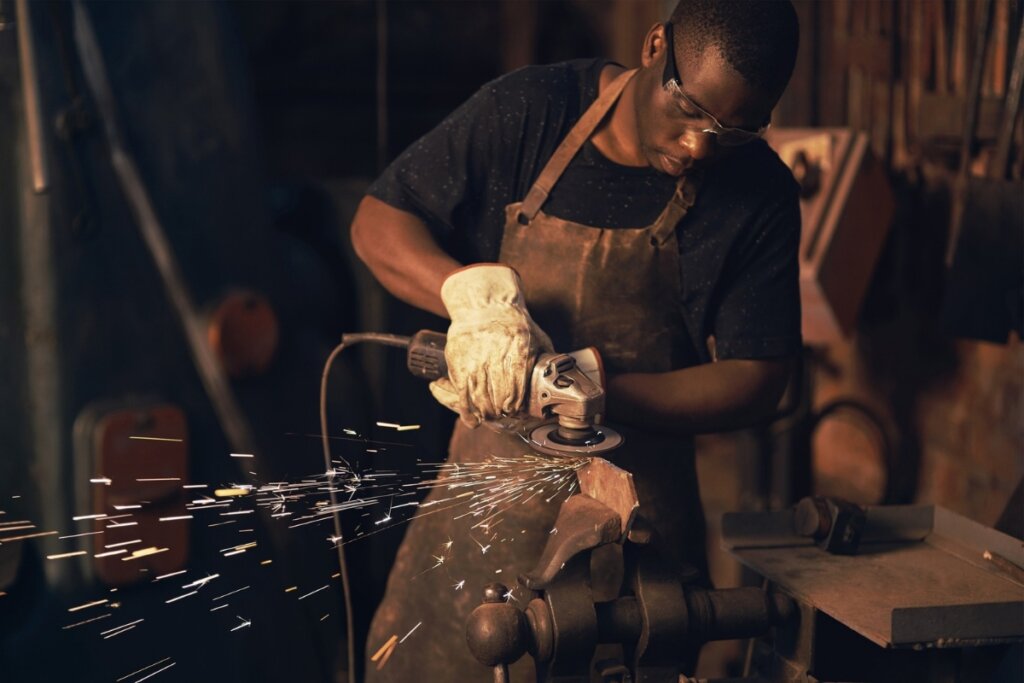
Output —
<point x="425" y="357"/>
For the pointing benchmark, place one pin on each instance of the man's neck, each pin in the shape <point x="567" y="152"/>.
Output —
<point x="616" y="138"/>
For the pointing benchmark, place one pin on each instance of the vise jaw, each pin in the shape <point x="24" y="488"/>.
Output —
<point x="603" y="513"/>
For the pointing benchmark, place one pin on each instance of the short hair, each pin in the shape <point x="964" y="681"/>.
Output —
<point x="757" y="38"/>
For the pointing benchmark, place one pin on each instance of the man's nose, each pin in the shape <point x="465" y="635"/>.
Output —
<point x="698" y="144"/>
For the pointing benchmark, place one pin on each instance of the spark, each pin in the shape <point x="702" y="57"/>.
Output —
<point x="180" y="597"/>
<point x="334" y="540"/>
<point x="245" y="624"/>
<point x="87" y="621"/>
<point x="220" y="607"/>
<point x="386" y="647"/>
<point x="483" y="548"/>
<point x="176" y="518"/>
<point x="510" y="595"/>
<point x="87" y="605"/>
<point x="87" y="533"/>
<point x="167" y="576"/>
<point x="448" y="544"/>
<point x="118" y="545"/>
<point x="145" y="552"/>
<point x="25" y="536"/>
<point x="23" y="527"/>
<point x="231" y="593"/>
<point x="127" y="507"/>
<point x="101" y="480"/>
<point x="409" y="633"/>
<point x="160" y="479"/>
<point x="224" y="493"/>
<point x="109" y="553"/>
<point x="156" y="672"/>
<point x="242" y="455"/>
<point x="118" y="628"/>
<point x="199" y="583"/>
<point x="81" y="517"/>
<point x="61" y="556"/>
<point x="460" y="584"/>
<point x="155" y="438"/>
<point x="194" y="486"/>
<point x="303" y="597"/>
<point x="142" y="669"/>
<point x="325" y="616"/>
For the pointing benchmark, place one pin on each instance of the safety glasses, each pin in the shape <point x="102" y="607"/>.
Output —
<point x="670" y="81"/>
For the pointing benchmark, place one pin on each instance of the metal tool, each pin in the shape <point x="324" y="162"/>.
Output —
<point x="657" y="615"/>
<point x="565" y="405"/>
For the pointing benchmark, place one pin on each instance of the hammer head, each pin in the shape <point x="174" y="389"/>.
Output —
<point x="612" y="486"/>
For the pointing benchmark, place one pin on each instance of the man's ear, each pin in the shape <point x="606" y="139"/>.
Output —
<point x="654" y="45"/>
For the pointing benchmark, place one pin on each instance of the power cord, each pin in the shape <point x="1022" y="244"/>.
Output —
<point x="347" y="340"/>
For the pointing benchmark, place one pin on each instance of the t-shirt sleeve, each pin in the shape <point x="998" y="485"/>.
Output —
<point x="435" y="178"/>
<point x="759" y="311"/>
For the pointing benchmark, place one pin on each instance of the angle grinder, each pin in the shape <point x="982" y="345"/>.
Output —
<point x="563" y="406"/>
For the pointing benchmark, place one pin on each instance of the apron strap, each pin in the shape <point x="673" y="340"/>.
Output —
<point x="572" y="143"/>
<point x="682" y="200"/>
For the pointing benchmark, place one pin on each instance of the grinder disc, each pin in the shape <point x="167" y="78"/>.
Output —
<point x="542" y="439"/>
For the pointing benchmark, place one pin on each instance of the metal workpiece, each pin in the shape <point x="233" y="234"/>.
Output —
<point x="612" y="486"/>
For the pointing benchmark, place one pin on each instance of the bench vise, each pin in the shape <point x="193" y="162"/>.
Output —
<point x="659" y="616"/>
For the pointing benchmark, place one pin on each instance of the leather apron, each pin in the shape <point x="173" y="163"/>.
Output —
<point x="617" y="290"/>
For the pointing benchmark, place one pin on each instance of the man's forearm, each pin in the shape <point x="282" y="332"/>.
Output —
<point x="402" y="254"/>
<point x="705" y="398"/>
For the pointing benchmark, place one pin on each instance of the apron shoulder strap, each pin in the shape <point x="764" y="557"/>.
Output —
<point x="572" y="143"/>
<point x="682" y="200"/>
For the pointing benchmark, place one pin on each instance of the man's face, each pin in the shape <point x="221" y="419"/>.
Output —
<point x="670" y="120"/>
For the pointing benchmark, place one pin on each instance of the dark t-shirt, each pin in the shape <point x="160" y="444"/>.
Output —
<point x="738" y="243"/>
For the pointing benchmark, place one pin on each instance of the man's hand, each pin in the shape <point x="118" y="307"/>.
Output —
<point x="492" y="344"/>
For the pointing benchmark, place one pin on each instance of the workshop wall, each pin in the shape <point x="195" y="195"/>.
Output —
<point x="940" y="113"/>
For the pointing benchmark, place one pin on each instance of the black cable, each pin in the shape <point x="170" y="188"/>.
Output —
<point x="346" y="341"/>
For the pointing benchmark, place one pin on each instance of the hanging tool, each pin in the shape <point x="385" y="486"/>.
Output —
<point x="563" y="407"/>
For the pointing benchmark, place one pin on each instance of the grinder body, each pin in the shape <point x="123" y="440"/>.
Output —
<point x="558" y="389"/>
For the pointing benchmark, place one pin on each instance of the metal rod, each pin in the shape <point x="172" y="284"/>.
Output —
<point x="32" y="98"/>
<point x="211" y="373"/>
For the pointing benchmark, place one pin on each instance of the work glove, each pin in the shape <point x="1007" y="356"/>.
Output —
<point x="492" y="344"/>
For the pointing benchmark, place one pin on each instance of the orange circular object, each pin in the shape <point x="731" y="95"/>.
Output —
<point x="243" y="333"/>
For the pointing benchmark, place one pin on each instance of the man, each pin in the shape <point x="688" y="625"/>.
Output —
<point x="636" y="212"/>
